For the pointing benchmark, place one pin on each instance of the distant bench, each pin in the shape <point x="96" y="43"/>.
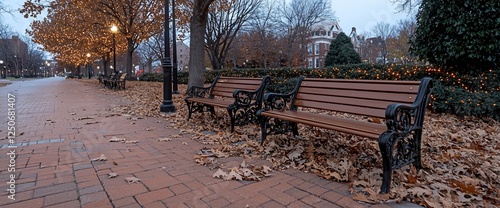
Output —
<point x="401" y="103"/>
<point x="242" y="97"/>
<point x="114" y="81"/>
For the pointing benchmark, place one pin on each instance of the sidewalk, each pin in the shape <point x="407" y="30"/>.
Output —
<point x="62" y="124"/>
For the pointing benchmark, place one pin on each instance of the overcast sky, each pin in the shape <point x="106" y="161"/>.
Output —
<point x="362" y="14"/>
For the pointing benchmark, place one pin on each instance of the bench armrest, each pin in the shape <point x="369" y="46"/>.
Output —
<point x="244" y="97"/>
<point x="196" y="91"/>
<point x="406" y="118"/>
<point x="402" y="118"/>
<point x="275" y="101"/>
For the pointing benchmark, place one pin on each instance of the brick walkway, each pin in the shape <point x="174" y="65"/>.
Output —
<point x="53" y="168"/>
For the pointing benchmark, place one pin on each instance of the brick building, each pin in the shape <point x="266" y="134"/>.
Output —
<point x="322" y="35"/>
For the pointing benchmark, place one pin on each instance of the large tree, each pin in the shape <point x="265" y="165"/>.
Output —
<point x="198" y="25"/>
<point x="261" y="25"/>
<point x="225" y="19"/>
<point x="78" y="27"/>
<point x="399" y="46"/>
<point x="297" y="18"/>
<point x="341" y="52"/>
<point x="463" y="34"/>
<point x="71" y="30"/>
<point x="137" y="20"/>
<point x="383" y="31"/>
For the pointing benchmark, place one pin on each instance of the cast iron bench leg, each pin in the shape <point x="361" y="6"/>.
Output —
<point x="190" y="108"/>
<point x="263" y="127"/>
<point x="386" y="147"/>
<point x="231" y="111"/>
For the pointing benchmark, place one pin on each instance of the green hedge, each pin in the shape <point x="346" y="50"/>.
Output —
<point x="453" y="93"/>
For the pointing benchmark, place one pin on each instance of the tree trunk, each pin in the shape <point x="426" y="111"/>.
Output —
<point x="130" y="51"/>
<point x="197" y="42"/>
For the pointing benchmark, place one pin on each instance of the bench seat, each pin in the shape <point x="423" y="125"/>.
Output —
<point x="350" y="126"/>
<point x="212" y="102"/>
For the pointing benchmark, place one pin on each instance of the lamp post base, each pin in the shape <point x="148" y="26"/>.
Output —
<point x="167" y="106"/>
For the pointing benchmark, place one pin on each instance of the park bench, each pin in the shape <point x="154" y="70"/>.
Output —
<point x="401" y="104"/>
<point x="119" y="83"/>
<point x="109" y="81"/>
<point x="105" y="79"/>
<point x="242" y="97"/>
<point x="101" y="78"/>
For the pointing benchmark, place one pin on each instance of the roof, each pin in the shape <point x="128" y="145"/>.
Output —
<point x="327" y="26"/>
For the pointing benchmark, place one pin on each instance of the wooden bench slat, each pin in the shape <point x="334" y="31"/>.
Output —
<point x="374" y="112"/>
<point x="364" y="81"/>
<point x="360" y="128"/>
<point x="214" y="102"/>
<point x="234" y="80"/>
<point x="223" y="94"/>
<point x="360" y="102"/>
<point x="361" y="85"/>
<point x="385" y="96"/>
<point x="237" y="86"/>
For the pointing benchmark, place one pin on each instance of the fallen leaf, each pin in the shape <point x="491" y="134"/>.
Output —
<point x="363" y="198"/>
<point x="112" y="175"/>
<point x="233" y="175"/>
<point x="131" y="142"/>
<point x="184" y="143"/>
<point x="116" y="139"/>
<point x="243" y="164"/>
<point x="100" y="158"/>
<point x="219" y="174"/>
<point x="132" y="180"/>
<point x="164" y="139"/>
<point x="376" y="120"/>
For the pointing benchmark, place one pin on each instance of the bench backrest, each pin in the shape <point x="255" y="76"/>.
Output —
<point x="360" y="97"/>
<point x="123" y="76"/>
<point x="225" y="86"/>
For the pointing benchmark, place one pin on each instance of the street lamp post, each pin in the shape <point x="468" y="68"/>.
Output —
<point x="174" y="51"/>
<point x="3" y="75"/>
<point x="88" y="65"/>
<point x="167" y="105"/>
<point x="114" y="29"/>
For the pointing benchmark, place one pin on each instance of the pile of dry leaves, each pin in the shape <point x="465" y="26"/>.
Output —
<point x="461" y="156"/>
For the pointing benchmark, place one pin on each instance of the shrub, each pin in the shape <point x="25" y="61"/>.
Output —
<point x="460" y="94"/>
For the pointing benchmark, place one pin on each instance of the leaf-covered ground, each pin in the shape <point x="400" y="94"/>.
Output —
<point x="461" y="156"/>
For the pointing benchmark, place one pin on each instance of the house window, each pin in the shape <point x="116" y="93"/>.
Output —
<point x="309" y="49"/>
<point x="316" y="49"/>
<point x="310" y="63"/>
<point x="317" y="63"/>
<point x="326" y="48"/>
